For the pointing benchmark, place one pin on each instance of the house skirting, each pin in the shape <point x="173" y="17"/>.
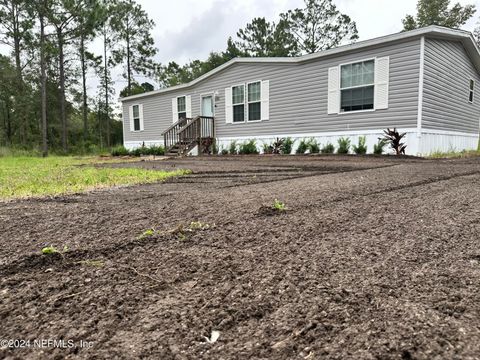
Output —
<point x="423" y="144"/>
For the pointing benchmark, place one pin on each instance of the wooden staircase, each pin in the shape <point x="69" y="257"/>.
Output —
<point x="185" y="134"/>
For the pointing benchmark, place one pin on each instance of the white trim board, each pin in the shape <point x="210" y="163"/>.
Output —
<point x="435" y="31"/>
<point x="421" y="77"/>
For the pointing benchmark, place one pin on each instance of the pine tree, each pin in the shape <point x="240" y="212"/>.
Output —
<point x="319" y="26"/>
<point x="261" y="38"/>
<point x="438" y="12"/>
<point x="134" y="45"/>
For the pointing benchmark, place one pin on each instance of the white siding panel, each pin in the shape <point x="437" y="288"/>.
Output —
<point x="334" y="90"/>
<point x="382" y="71"/>
<point x="188" y="106"/>
<point x="265" y="93"/>
<point x="130" y="118"/>
<point x="228" y="106"/>
<point x="174" y="110"/>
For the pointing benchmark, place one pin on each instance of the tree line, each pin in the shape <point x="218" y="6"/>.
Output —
<point x="44" y="100"/>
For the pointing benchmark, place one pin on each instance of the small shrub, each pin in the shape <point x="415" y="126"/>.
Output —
<point x="267" y="148"/>
<point x="378" y="148"/>
<point x="313" y="146"/>
<point x="361" y="148"/>
<point x="328" y="149"/>
<point x="287" y="145"/>
<point x="248" y="148"/>
<point x="119" y="151"/>
<point x="215" y="149"/>
<point x="224" y="152"/>
<point x="343" y="145"/>
<point x="302" y="147"/>
<point x="394" y="138"/>
<point x="278" y="205"/>
<point x="155" y="150"/>
<point x="232" y="149"/>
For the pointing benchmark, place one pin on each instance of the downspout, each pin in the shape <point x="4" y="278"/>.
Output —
<point x="420" y="93"/>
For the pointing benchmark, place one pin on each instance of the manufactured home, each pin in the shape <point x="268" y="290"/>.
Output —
<point x="423" y="82"/>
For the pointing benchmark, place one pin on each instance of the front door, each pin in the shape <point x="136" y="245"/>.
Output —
<point x="207" y="105"/>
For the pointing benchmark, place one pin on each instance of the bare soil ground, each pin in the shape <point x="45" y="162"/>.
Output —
<point x="375" y="258"/>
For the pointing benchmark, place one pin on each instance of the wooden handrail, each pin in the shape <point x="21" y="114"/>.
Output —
<point x="182" y="120"/>
<point x="185" y="133"/>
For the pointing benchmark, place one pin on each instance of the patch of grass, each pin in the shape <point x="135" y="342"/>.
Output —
<point x="454" y="154"/>
<point x="93" y="263"/>
<point x="146" y="234"/>
<point x="22" y="177"/>
<point x="198" y="225"/>
<point x="49" y="250"/>
<point x="279" y="206"/>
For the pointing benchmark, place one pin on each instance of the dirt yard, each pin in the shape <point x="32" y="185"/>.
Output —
<point x="374" y="258"/>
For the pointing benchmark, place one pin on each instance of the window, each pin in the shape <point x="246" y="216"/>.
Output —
<point x="472" y="88"/>
<point x="357" y="82"/>
<point x="238" y="102"/>
<point x="136" y="118"/>
<point x="254" y="101"/>
<point x="182" y="107"/>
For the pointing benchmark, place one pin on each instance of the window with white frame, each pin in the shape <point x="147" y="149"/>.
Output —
<point x="357" y="86"/>
<point x="472" y="88"/>
<point x="136" y="117"/>
<point x="182" y="107"/>
<point x="254" y="101"/>
<point x="238" y="103"/>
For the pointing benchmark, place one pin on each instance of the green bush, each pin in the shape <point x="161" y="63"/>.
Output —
<point x="361" y="148"/>
<point x="248" y="148"/>
<point x="328" y="149"/>
<point x="142" y="150"/>
<point x="224" y="152"/>
<point x="378" y="148"/>
<point x="119" y="151"/>
<point x="343" y="145"/>
<point x="313" y="146"/>
<point x="287" y="146"/>
<point x="153" y="150"/>
<point x="267" y="148"/>
<point x="302" y="147"/>
<point x="232" y="149"/>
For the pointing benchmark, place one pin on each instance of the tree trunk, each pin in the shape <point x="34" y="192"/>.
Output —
<point x="61" y="67"/>
<point x="129" y="66"/>
<point x="20" y="104"/>
<point x="43" y="86"/>
<point x="105" y="79"/>
<point x="84" y="86"/>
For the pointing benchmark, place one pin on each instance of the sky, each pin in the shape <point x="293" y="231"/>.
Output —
<point x="190" y="29"/>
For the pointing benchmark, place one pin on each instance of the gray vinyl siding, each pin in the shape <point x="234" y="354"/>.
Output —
<point x="448" y="71"/>
<point x="298" y="96"/>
